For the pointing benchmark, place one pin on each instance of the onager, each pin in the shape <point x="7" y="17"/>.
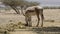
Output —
<point x="34" y="10"/>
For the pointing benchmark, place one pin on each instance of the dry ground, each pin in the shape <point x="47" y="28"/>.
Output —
<point x="49" y="14"/>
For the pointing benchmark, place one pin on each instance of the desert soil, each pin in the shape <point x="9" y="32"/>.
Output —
<point x="49" y="14"/>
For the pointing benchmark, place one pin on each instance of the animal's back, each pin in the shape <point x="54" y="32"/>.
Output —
<point x="33" y="7"/>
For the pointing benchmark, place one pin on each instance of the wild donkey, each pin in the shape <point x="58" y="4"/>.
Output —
<point x="34" y="10"/>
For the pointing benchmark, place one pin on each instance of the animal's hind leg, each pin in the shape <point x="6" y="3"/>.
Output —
<point x="38" y="19"/>
<point x="42" y="18"/>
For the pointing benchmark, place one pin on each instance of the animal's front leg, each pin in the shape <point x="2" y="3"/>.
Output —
<point x="29" y="23"/>
<point x="26" y="19"/>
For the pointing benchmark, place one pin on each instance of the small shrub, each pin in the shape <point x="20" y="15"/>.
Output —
<point x="12" y="26"/>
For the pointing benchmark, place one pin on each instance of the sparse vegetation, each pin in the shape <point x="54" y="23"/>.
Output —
<point x="51" y="21"/>
<point x="12" y="26"/>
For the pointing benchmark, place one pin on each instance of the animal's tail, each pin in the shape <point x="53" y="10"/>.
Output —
<point x="42" y="15"/>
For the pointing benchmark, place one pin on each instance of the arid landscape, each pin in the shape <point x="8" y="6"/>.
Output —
<point x="51" y="22"/>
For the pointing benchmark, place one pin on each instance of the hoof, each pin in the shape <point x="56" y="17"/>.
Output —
<point x="30" y="25"/>
<point x="37" y="26"/>
<point x="26" y="24"/>
<point x="41" y="25"/>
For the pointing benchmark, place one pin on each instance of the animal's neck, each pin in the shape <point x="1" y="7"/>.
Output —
<point x="22" y="11"/>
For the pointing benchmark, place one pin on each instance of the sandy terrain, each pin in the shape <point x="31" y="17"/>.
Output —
<point x="49" y="14"/>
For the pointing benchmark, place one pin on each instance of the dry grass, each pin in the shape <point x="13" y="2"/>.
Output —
<point x="51" y="22"/>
